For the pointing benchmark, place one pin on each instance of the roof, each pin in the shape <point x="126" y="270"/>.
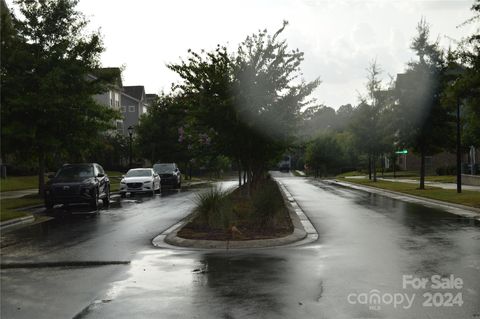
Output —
<point x="135" y="91"/>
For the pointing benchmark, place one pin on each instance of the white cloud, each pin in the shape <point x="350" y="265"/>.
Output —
<point x="339" y="38"/>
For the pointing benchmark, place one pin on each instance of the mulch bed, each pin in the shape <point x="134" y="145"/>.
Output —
<point x="248" y="229"/>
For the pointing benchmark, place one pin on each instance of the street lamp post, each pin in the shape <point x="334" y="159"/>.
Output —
<point x="130" y="134"/>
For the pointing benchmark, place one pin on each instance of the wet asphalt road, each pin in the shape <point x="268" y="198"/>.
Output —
<point x="366" y="244"/>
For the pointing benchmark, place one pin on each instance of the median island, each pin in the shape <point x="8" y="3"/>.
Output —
<point x="239" y="214"/>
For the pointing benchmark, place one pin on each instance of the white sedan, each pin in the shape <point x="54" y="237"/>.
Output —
<point x="140" y="180"/>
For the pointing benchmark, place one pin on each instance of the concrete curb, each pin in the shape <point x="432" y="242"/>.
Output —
<point x="303" y="233"/>
<point x="24" y="222"/>
<point x="457" y="209"/>
<point x="16" y="221"/>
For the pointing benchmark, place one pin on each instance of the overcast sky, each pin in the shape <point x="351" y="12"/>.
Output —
<point x="339" y="38"/>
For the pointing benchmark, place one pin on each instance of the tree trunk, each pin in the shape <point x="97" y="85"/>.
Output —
<point x="239" y="173"/>
<point x="369" y="167"/>
<point x="383" y="165"/>
<point x="41" y="172"/>
<point x="394" y="166"/>
<point x="374" y="162"/>
<point x="422" y="168"/>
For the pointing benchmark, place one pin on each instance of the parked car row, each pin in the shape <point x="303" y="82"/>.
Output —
<point x="88" y="183"/>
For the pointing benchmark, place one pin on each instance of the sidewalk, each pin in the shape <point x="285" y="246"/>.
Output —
<point x="428" y="183"/>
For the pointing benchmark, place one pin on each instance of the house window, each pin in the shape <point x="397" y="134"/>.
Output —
<point x="131" y="108"/>
<point x="119" y="126"/>
<point x="124" y="108"/>
<point x="117" y="99"/>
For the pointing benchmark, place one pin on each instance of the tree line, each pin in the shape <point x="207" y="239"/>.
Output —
<point x="242" y="108"/>
<point x="415" y="111"/>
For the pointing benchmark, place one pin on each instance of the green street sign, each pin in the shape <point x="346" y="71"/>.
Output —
<point x="402" y="152"/>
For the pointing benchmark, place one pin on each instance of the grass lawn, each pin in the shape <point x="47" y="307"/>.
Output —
<point x="8" y="206"/>
<point x="409" y="174"/>
<point x="406" y="174"/>
<point x="15" y="183"/>
<point x="115" y="174"/>
<point x="353" y="173"/>
<point x="115" y="178"/>
<point x="468" y="198"/>
<point x="440" y="179"/>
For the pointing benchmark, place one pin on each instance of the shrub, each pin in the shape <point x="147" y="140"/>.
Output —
<point x="446" y="170"/>
<point x="214" y="208"/>
<point x="267" y="201"/>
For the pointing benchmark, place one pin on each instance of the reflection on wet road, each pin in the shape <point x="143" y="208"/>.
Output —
<point x="366" y="244"/>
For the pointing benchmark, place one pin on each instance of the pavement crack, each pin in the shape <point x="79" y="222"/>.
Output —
<point x="320" y="293"/>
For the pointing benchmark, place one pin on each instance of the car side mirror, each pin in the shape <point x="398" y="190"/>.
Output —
<point x="123" y="176"/>
<point x="100" y="175"/>
<point x="50" y="176"/>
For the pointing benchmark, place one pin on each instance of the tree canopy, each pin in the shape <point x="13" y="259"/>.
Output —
<point x="248" y="103"/>
<point x="46" y="66"/>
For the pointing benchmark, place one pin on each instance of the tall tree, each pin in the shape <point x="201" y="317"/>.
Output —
<point x="366" y="124"/>
<point x="53" y="110"/>
<point x="464" y="80"/>
<point x="250" y="100"/>
<point x="424" y="124"/>
<point x="160" y="133"/>
<point x="324" y="155"/>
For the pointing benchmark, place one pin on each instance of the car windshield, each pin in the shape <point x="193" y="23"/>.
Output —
<point x="75" y="171"/>
<point x="164" y="168"/>
<point x="139" y="173"/>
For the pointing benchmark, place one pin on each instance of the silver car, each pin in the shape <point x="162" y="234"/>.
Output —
<point x="140" y="180"/>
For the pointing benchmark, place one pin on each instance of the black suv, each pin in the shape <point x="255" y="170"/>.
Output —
<point x="78" y="183"/>
<point x="169" y="174"/>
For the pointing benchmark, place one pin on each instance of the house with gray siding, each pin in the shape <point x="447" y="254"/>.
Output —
<point x="134" y="105"/>
<point x="113" y="96"/>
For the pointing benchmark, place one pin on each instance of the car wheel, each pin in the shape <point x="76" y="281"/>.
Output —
<point x="94" y="202"/>
<point x="123" y="195"/>
<point x="106" y="200"/>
